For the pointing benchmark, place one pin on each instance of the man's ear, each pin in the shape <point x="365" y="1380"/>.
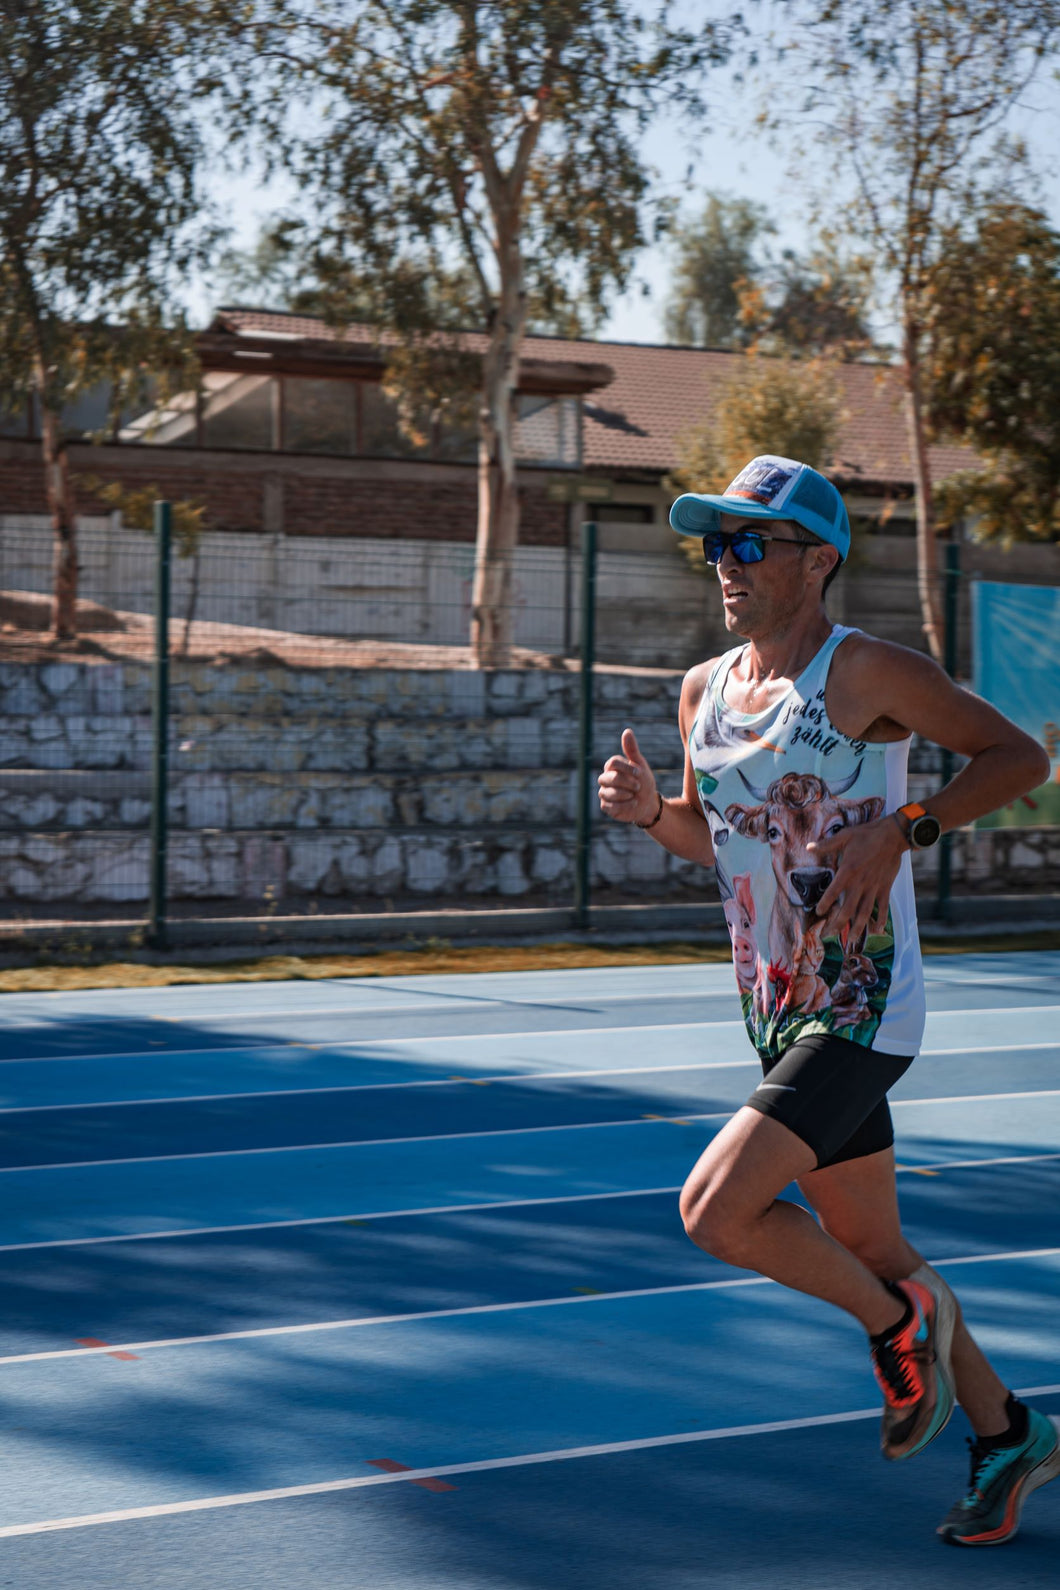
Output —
<point x="825" y="558"/>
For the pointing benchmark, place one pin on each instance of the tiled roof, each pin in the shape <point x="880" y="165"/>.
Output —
<point x="658" y="391"/>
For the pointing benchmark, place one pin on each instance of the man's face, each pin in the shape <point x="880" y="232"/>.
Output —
<point x="761" y="597"/>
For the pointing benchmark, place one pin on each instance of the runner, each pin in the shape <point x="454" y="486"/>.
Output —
<point x="796" y="747"/>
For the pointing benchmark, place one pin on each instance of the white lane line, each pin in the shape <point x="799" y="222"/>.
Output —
<point x="736" y="1024"/>
<point x="384" y="1087"/>
<point x="969" y="1164"/>
<point x="385" y="1319"/>
<point x="978" y="1098"/>
<point x="367" y="1142"/>
<point x="447" y="1002"/>
<point x="685" y="1118"/>
<point x="361" y="1321"/>
<point x="333" y="1220"/>
<point x="1012" y="1047"/>
<point x="201" y="1504"/>
<point x="443" y="1209"/>
<point x="450" y="1081"/>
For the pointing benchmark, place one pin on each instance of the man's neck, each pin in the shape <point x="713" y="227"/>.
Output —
<point x="783" y="654"/>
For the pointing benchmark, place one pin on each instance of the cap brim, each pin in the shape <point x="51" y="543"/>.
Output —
<point x="695" y="515"/>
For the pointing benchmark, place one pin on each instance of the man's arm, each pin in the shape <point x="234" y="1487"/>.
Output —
<point x="628" y="791"/>
<point x="886" y="691"/>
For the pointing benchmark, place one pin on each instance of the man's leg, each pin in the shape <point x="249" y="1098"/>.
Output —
<point x="730" y="1208"/>
<point x="857" y="1203"/>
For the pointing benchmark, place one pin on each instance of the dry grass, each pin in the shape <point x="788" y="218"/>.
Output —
<point x="432" y="958"/>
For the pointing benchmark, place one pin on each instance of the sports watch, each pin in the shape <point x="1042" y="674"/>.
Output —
<point x="920" y="828"/>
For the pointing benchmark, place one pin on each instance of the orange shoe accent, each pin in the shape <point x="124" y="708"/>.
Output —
<point x="1007" y="1523"/>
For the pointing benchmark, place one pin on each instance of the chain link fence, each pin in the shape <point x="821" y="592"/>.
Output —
<point x="327" y="746"/>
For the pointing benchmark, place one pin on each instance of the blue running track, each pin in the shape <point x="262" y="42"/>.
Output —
<point x="380" y="1285"/>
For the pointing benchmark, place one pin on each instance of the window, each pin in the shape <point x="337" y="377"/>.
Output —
<point x="155" y="423"/>
<point x="620" y="512"/>
<point x="547" y="430"/>
<point x="456" y="442"/>
<point x="319" y="416"/>
<point x="89" y="412"/>
<point x="238" y="411"/>
<point x="15" y="421"/>
<point x="869" y="525"/>
<point x="381" y="434"/>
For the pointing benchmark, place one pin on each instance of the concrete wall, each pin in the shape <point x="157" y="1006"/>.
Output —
<point x="651" y="608"/>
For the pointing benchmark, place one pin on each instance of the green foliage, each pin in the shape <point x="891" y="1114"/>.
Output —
<point x="274" y="272"/>
<point x="993" y="368"/>
<point x="811" y="306"/>
<point x="99" y="207"/>
<point x="729" y="292"/>
<point x="459" y="147"/>
<point x="283" y="270"/>
<point x="914" y="97"/>
<point x="790" y="407"/>
<point x="715" y="256"/>
<point x="137" y="507"/>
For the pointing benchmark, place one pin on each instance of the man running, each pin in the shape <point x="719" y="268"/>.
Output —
<point x="796" y="747"/>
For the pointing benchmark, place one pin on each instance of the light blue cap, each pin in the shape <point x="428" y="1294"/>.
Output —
<point x="770" y="488"/>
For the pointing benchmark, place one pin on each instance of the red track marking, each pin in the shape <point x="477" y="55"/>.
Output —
<point x="399" y="1468"/>
<point x="93" y="1341"/>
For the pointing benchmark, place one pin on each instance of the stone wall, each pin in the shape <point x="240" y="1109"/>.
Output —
<point x="343" y="788"/>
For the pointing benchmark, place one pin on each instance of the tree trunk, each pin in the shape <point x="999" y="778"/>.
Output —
<point x="927" y="551"/>
<point x="61" y="508"/>
<point x="492" y="596"/>
<point x="193" y="595"/>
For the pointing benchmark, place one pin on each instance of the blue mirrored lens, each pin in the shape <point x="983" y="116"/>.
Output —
<point x="747" y="546"/>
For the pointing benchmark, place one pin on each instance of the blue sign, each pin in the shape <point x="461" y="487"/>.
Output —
<point x="1016" y="641"/>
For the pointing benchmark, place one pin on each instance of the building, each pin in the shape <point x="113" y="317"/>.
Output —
<point x="292" y="445"/>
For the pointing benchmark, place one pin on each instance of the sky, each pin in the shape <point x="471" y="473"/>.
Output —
<point x="730" y="158"/>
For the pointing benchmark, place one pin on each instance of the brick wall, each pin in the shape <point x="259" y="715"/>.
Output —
<point x="254" y="492"/>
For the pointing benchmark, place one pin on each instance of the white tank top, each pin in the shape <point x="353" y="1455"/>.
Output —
<point x="770" y="783"/>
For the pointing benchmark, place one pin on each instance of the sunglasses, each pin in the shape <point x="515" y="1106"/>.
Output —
<point x="748" y="546"/>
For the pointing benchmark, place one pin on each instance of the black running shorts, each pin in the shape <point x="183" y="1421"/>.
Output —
<point x="832" y="1093"/>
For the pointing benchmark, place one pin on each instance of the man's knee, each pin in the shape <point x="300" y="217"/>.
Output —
<point x="716" y="1221"/>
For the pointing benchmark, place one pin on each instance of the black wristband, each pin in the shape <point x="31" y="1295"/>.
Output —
<point x="655" y="819"/>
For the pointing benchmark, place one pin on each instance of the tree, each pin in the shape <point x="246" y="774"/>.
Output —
<point x="993" y="371"/>
<point x="786" y="406"/>
<point x="914" y="97"/>
<point x="714" y="256"/>
<point x="98" y="155"/>
<point x="137" y="506"/>
<point x="467" y="161"/>
<point x="812" y="305"/>
<point x="274" y="271"/>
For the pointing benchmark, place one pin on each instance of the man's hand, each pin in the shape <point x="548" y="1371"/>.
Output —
<point x="866" y="858"/>
<point x="627" y="785"/>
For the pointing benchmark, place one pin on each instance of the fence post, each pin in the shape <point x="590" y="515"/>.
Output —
<point x="160" y="730"/>
<point x="585" y="734"/>
<point x="953" y="571"/>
